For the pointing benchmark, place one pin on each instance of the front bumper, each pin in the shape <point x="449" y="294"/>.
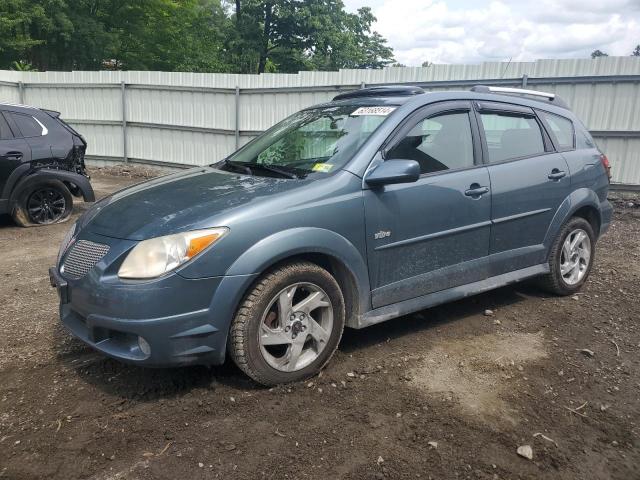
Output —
<point x="175" y="316"/>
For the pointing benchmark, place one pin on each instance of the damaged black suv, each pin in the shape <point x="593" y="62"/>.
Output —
<point x="41" y="166"/>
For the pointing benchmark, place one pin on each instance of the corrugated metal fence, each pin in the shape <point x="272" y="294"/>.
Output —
<point x="196" y="119"/>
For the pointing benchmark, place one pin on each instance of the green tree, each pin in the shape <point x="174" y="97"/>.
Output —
<point x="244" y="36"/>
<point x="636" y="51"/>
<point x="598" y="53"/>
<point x="16" y="19"/>
<point x="308" y="34"/>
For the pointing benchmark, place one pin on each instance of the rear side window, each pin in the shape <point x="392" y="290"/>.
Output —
<point x="28" y="125"/>
<point x="511" y="136"/>
<point x="5" y="131"/>
<point x="442" y="142"/>
<point x="562" y="129"/>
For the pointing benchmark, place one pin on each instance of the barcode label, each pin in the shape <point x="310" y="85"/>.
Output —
<point x="382" y="111"/>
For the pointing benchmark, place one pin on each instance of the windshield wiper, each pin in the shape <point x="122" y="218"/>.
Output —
<point x="237" y="166"/>
<point x="248" y="167"/>
<point x="283" y="171"/>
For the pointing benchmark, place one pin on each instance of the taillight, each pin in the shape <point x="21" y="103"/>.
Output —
<point x="606" y="165"/>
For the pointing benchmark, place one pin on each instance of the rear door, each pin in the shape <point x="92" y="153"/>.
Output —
<point x="529" y="181"/>
<point x="36" y="134"/>
<point x="432" y="234"/>
<point x="13" y="152"/>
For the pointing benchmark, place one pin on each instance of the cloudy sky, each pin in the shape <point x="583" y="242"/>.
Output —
<point x="471" y="31"/>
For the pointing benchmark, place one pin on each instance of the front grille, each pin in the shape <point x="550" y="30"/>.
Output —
<point x="83" y="256"/>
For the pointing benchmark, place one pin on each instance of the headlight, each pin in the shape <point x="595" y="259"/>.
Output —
<point x="66" y="242"/>
<point x="157" y="256"/>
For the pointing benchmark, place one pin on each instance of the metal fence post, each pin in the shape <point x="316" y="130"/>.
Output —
<point x="21" y="92"/>
<point x="525" y="79"/>
<point x="237" y="127"/>
<point x="362" y="85"/>
<point x="123" y="90"/>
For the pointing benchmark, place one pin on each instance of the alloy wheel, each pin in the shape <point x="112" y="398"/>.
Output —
<point x="46" y="205"/>
<point x="296" y="326"/>
<point x="575" y="257"/>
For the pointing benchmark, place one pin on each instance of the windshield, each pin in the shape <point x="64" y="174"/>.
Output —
<point x="316" y="140"/>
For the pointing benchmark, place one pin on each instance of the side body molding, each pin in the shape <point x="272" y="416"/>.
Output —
<point x="303" y="240"/>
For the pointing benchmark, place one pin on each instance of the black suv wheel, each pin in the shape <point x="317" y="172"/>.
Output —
<point x="43" y="204"/>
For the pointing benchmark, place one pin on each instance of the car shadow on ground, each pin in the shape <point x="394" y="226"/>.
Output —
<point x="435" y="317"/>
<point x="6" y="221"/>
<point x="141" y="384"/>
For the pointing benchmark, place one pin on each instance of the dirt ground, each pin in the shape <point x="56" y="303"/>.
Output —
<point x="450" y="392"/>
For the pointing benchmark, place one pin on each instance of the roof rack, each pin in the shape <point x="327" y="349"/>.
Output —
<point x="550" y="97"/>
<point x="385" y="91"/>
<point x="11" y="104"/>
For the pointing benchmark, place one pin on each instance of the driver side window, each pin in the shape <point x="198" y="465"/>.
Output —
<point x="441" y="142"/>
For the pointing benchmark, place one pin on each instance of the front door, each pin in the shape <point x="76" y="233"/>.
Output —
<point x="432" y="234"/>
<point x="529" y="181"/>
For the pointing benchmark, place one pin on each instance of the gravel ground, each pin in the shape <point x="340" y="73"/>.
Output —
<point x="451" y="392"/>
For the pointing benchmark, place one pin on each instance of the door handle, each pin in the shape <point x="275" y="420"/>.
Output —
<point x="556" y="174"/>
<point x="476" y="191"/>
<point x="13" y="156"/>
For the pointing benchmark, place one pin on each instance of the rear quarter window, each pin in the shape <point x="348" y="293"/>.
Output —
<point x="562" y="129"/>
<point x="29" y="126"/>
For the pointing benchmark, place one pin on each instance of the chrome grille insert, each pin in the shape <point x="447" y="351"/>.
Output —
<point x="83" y="256"/>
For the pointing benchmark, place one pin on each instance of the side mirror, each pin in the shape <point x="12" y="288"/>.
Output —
<point x="393" y="171"/>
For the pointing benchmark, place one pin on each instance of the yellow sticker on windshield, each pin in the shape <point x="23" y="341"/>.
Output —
<point x="322" y="167"/>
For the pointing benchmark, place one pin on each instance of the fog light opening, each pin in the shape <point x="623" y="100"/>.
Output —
<point x="144" y="346"/>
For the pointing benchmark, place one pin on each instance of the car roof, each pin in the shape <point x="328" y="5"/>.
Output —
<point x="422" y="99"/>
<point x="17" y="107"/>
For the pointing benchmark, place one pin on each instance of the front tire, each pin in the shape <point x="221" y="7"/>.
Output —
<point x="45" y="203"/>
<point x="571" y="258"/>
<point x="289" y="324"/>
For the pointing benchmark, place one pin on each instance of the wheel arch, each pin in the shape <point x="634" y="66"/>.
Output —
<point x="336" y="267"/>
<point x="43" y="175"/>
<point x="325" y="248"/>
<point x="592" y="215"/>
<point x="582" y="203"/>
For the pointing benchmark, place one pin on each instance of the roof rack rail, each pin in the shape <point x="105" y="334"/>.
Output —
<point x="383" y="91"/>
<point x="550" y="97"/>
<point x="11" y="104"/>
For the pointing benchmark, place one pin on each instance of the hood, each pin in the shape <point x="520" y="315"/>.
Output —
<point x="185" y="201"/>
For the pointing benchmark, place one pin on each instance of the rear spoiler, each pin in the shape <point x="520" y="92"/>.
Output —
<point x="51" y="113"/>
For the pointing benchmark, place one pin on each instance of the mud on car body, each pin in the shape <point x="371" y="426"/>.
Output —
<point x="378" y="204"/>
<point x="41" y="165"/>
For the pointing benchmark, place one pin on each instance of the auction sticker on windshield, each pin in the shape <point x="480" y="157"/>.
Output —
<point x="322" y="167"/>
<point x="383" y="111"/>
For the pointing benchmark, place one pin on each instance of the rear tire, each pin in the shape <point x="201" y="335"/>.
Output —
<point x="45" y="203"/>
<point x="288" y="325"/>
<point x="571" y="258"/>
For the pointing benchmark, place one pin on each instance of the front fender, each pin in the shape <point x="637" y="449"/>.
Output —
<point x="44" y="174"/>
<point x="296" y="241"/>
<point x="582" y="197"/>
